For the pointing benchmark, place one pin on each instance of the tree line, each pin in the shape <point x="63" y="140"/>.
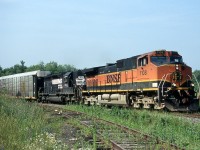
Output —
<point x="196" y="74"/>
<point x="52" y="66"/>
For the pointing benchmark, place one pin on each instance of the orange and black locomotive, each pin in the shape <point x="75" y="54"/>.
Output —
<point x="158" y="80"/>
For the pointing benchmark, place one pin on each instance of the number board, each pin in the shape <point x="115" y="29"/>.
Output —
<point x="160" y="52"/>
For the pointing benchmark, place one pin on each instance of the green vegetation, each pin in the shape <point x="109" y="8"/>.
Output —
<point x="52" y="66"/>
<point x="24" y="125"/>
<point x="197" y="75"/>
<point x="86" y="137"/>
<point x="164" y="126"/>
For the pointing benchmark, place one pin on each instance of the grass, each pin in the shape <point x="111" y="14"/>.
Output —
<point x="162" y="125"/>
<point x="24" y="125"/>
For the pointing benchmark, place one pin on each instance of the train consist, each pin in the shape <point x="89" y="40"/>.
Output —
<point x="154" y="80"/>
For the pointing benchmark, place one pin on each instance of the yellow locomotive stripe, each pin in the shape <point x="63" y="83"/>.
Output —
<point x="142" y="89"/>
<point x="178" y="88"/>
<point x="118" y="83"/>
<point x="114" y="91"/>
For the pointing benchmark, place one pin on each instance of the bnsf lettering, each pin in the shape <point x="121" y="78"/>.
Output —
<point x="113" y="78"/>
<point x="92" y="82"/>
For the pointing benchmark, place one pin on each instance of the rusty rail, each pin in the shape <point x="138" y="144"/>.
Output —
<point x="128" y="138"/>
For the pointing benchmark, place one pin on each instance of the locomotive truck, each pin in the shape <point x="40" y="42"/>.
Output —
<point x="155" y="80"/>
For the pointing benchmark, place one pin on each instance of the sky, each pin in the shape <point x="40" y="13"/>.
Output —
<point x="90" y="33"/>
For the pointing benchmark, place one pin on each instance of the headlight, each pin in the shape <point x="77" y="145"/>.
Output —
<point x="176" y="67"/>
<point x="155" y="85"/>
<point x="173" y="84"/>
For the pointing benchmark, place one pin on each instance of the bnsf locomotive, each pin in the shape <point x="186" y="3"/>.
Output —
<point x="155" y="80"/>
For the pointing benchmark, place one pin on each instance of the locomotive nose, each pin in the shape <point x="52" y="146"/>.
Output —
<point x="177" y="76"/>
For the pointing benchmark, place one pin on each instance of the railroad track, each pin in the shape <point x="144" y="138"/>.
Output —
<point x="119" y="137"/>
<point x="123" y="138"/>
<point x="188" y="115"/>
<point x="193" y="117"/>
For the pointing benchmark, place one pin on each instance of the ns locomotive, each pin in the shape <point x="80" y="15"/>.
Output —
<point x="154" y="80"/>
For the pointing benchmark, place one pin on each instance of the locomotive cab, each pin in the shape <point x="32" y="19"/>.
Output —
<point x="143" y="67"/>
<point x="57" y="88"/>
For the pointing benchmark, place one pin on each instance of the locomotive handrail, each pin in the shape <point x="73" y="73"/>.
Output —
<point x="159" y="87"/>
<point x="189" y="77"/>
<point x="164" y="82"/>
<point x="197" y="84"/>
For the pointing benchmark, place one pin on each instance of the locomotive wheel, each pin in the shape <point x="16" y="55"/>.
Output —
<point x="39" y="100"/>
<point x="128" y="100"/>
<point x="63" y="100"/>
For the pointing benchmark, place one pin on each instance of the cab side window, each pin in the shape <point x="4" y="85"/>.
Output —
<point x="143" y="61"/>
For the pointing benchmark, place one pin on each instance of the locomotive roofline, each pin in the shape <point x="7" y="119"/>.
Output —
<point x="151" y="53"/>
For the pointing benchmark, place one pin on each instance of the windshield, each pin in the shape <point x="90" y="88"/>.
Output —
<point x="160" y="60"/>
<point x="175" y="59"/>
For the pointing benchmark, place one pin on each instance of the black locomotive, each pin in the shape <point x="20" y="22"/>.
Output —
<point x="64" y="87"/>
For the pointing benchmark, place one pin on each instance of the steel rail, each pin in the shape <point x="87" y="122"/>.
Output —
<point x="146" y="139"/>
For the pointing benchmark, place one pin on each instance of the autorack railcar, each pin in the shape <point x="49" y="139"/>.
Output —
<point x="24" y="85"/>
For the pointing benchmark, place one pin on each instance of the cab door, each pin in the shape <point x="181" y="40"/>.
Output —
<point x="143" y="73"/>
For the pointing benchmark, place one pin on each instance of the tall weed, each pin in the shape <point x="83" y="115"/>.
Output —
<point x="21" y="123"/>
<point x="161" y="125"/>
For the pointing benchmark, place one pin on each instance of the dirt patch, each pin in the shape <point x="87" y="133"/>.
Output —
<point x="70" y="135"/>
<point x="67" y="133"/>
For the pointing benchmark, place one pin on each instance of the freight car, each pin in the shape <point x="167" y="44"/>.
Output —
<point x="24" y="85"/>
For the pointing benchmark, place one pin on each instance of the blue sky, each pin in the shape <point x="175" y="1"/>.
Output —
<point x="88" y="33"/>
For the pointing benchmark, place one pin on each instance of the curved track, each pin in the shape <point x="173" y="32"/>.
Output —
<point x="194" y="117"/>
<point x="119" y="137"/>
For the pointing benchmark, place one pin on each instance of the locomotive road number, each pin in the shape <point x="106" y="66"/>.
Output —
<point x="143" y="72"/>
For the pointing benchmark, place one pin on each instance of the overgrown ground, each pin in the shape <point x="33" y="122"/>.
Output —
<point x="24" y="125"/>
<point x="165" y="126"/>
<point x="28" y="126"/>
